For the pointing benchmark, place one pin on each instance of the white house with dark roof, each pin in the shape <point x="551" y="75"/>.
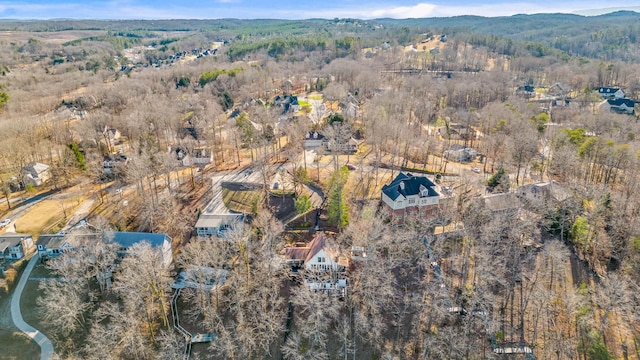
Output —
<point x="623" y="106"/>
<point x="16" y="246"/>
<point x="411" y="195"/>
<point x="313" y="139"/>
<point x="54" y="245"/>
<point x="610" y="93"/>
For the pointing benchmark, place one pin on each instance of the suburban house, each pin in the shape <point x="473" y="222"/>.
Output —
<point x="54" y="245"/>
<point x="202" y="155"/>
<point x="111" y="137"/>
<point x="610" y="93"/>
<point x="313" y="139"/>
<point x="350" y="107"/>
<point x="111" y="163"/>
<point x="35" y="174"/>
<point x="460" y="153"/>
<point x="161" y="242"/>
<point x="216" y="224"/>
<point x="321" y="261"/>
<point x="321" y="143"/>
<point x="181" y="155"/>
<point x="623" y="106"/>
<point x="410" y="195"/>
<point x="16" y="246"/>
<point x="320" y="254"/>
<point x="542" y="193"/>
<point x="526" y="90"/>
<point x="288" y="103"/>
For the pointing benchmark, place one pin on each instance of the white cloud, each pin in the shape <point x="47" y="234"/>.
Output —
<point x="402" y="12"/>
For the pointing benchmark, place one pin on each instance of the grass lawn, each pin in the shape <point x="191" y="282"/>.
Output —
<point x="46" y="214"/>
<point x="239" y="199"/>
<point x="315" y="96"/>
<point x="17" y="346"/>
<point x="13" y="343"/>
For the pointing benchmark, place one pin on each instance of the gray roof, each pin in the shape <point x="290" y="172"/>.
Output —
<point x="9" y="239"/>
<point x="618" y="102"/>
<point x="52" y="241"/>
<point x="14" y="236"/>
<point x="128" y="239"/>
<point x="216" y="220"/>
<point x="411" y="186"/>
<point x="35" y="168"/>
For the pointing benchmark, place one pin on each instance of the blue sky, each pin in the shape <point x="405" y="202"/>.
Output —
<point x="291" y="9"/>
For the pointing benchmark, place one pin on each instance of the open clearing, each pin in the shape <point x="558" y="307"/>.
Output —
<point x="54" y="37"/>
<point x="46" y="214"/>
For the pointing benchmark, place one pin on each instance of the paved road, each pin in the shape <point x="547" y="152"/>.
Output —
<point x="46" y="348"/>
<point x="81" y="212"/>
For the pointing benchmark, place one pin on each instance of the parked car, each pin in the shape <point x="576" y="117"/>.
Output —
<point x="4" y="223"/>
<point x="475" y="170"/>
<point x="352" y="167"/>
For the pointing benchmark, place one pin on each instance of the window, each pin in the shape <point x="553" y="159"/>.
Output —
<point x="433" y="212"/>
<point x="320" y="259"/>
<point x="412" y="201"/>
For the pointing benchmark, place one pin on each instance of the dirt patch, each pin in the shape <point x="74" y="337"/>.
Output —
<point x="282" y="207"/>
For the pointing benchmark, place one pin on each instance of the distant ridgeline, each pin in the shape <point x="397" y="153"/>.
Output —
<point x="606" y="37"/>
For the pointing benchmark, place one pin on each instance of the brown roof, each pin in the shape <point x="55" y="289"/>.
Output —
<point x="297" y="253"/>
<point x="320" y="242"/>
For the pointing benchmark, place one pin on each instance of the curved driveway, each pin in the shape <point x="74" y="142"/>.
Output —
<point x="46" y="348"/>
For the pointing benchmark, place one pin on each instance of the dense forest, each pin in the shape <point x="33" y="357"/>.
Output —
<point x="492" y="110"/>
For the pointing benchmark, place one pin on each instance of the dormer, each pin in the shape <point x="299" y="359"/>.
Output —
<point x="315" y="135"/>
<point x="401" y="185"/>
<point x="307" y="136"/>
<point x="424" y="192"/>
